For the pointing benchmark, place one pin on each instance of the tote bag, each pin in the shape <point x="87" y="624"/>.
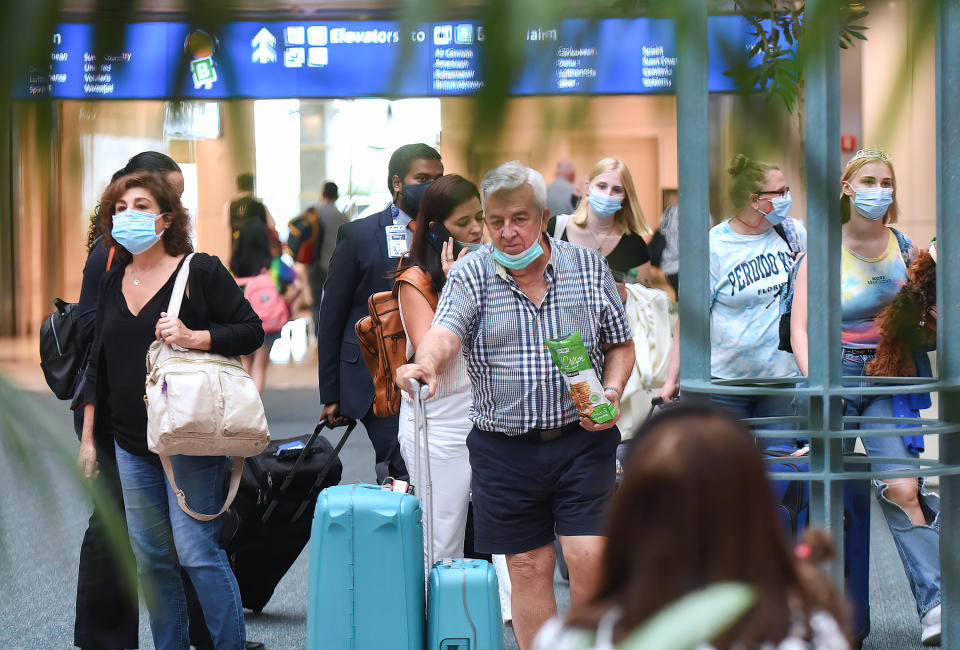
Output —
<point x="200" y="404"/>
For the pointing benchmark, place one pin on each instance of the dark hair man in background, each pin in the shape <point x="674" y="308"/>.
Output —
<point x="247" y="206"/>
<point x="366" y="253"/>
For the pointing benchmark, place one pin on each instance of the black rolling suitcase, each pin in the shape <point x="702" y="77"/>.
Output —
<point x="269" y="522"/>
<point x="274" y="508"/>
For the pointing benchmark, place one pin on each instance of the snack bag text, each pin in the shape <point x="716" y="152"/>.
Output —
<point x="571" y="357"/>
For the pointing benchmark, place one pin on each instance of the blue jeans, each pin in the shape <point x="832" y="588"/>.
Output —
<point x="761" y="406"/>
<point x="918" y="545"/>
<point x="164" y="538"/>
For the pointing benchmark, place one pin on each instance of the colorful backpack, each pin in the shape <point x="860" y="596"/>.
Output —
<point x="305" y="236"/>
<point x="266" y="300"/>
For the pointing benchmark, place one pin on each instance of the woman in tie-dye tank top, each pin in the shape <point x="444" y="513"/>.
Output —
<point x="874" y="266"/>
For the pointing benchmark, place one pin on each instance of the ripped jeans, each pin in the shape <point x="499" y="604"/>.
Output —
<point x="918" y="545"/>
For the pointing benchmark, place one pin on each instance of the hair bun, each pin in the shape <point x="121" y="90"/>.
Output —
<point x="738" y="164"/>
<point x="820" y="547"/>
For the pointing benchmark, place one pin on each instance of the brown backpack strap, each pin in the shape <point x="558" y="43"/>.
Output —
<point x="419" y="280"/>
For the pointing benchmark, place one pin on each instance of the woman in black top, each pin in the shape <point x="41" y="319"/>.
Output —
<point x="610" y="220"/>
<point x="138" y="212"/>
<point x="107" y="614"/>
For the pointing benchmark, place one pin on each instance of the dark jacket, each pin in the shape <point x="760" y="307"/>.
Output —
<point x="234" y="327"/>
<point x="359" y="268"/>
<point x="93" y="271"/>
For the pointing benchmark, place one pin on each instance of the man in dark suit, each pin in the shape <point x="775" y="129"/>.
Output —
<point x="367" y="253"/>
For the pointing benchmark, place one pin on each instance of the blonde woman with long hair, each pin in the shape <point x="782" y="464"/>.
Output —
<point x="610" y="220"/>
<point x="874" y="265"/>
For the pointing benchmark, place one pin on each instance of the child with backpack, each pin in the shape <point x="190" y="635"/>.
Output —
<point x="271" y="287"/>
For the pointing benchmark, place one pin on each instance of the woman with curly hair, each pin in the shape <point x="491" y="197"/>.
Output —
<point x="874" y="263"/>
<point x="142" y="217"/>
<point x="107" y="614"/>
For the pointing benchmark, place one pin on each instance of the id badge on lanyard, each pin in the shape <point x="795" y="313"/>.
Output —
<point x="396" y="241"/>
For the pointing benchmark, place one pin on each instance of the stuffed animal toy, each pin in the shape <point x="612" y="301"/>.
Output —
<point x="908" y="324"/>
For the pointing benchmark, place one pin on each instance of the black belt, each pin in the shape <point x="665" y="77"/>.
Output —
<point x="546" y="435"/>
<point x="860" y="352"/>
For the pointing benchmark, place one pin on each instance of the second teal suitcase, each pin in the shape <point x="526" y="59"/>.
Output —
<point x="464" y="607"/>
<point x="366" y="582"/>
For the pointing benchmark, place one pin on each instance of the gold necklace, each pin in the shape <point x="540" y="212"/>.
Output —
<point x="136" y="274"/>
<point x="600" y="242"/>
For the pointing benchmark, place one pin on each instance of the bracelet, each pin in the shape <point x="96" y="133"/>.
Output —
<point x="613" y="389"/>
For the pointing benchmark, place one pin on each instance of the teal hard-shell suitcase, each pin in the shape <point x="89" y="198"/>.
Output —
<point x="366" y="582"/>
<point x="464" y="607"/>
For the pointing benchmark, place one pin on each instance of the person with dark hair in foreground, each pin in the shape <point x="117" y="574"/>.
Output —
<point x="694" y="510"/>
<point x="367" y="254"/>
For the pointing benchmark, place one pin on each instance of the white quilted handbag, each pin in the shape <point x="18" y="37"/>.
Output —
<point x="200" y="404"/>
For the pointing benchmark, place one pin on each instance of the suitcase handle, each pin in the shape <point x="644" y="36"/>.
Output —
<point x="321" y="425"/>
<point x="417" y="388"/>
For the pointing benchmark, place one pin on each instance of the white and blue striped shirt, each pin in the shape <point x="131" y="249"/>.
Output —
<point x="516" y="385"/>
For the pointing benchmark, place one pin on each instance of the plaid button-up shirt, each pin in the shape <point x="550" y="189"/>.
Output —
<point x="516" y="385"/>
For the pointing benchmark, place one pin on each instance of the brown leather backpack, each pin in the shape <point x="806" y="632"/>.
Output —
<point x="383" y="341"/>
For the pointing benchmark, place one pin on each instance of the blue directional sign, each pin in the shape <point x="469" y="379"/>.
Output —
<point x="370" y="59"/>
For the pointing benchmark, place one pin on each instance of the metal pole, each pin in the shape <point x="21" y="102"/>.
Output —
<point x="7" y="232"/>
<point x="948" y="301"/>
<point x="693" y="189"/>
<point x="823" y="268"/>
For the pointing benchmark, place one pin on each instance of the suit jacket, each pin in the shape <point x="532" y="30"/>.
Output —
<point x="359" y="268"/>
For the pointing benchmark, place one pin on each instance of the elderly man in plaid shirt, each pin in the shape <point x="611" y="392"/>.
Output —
<point x="538" y="467"/>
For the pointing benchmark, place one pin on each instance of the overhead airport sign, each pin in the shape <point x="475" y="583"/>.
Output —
<point x="369" y="59"/>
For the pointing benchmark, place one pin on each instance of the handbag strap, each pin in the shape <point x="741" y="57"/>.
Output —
<point x="179" y="288"/>
<point x="182" y="499"/>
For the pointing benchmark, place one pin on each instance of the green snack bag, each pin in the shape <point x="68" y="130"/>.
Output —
<point x="571" y="357"/>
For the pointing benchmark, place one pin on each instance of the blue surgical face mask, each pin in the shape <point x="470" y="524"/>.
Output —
<point x="873" y="202"/>
<point x="604" y="205"/>
<point x="522" y="260"/>
<point x="781" y="208"/>
<point x="470" y="247"/>
<point x="135" y="230"/>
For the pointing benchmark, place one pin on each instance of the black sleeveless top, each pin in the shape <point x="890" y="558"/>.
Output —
<point x="629" y="253"/>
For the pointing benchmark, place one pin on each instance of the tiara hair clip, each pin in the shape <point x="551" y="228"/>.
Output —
<point x="872" y="153"/>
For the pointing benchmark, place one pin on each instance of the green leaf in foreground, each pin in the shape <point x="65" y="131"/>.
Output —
<point x="43" y="454"/>
<point x="694" y="619"/>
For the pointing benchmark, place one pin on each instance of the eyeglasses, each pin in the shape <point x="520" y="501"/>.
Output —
<point x="781" y="193"/>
